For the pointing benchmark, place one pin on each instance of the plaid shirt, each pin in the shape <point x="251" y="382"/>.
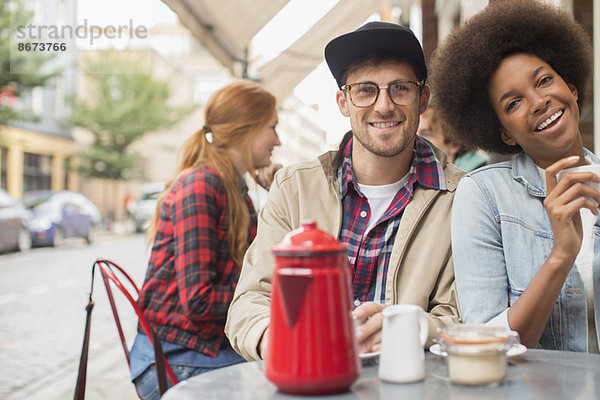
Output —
<point x="191" y="276"/>
<point x="369" y="252"/>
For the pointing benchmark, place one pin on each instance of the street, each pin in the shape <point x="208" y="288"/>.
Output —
<point x="43" y="294"/>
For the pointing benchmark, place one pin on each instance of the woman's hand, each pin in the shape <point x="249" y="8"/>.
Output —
<point x="563" y="201"/>
<point x="529" y="314"/>
<point x="264" y="175"/>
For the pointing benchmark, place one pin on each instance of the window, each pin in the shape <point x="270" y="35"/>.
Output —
<point x="37" y="171"/>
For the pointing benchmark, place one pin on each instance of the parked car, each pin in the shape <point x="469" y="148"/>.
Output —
<point x="14" y="224"/>
<point x="145" y="206"/>
<point x="59" y="215"/>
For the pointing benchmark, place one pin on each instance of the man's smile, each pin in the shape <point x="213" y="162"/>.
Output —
<point x="384" y="125"/>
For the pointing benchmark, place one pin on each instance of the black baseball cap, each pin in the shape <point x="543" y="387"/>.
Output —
<point x="374" y="38"/>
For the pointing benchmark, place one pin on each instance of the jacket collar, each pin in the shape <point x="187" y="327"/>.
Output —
<point x="525" y="172"/>
<point x="450" y="171"/>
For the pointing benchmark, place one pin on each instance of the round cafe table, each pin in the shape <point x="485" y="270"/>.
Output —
<point x="537" y="374"/>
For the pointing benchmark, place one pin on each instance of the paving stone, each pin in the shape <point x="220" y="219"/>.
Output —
<point x="43" y="294"/>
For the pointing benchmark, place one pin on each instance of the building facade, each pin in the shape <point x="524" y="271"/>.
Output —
<point x="39" y="153"/>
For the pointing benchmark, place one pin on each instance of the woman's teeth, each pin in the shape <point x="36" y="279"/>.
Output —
<point x="550" y="120"/>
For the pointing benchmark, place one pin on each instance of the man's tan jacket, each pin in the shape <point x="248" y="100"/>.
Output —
<point x="420" y="270"/>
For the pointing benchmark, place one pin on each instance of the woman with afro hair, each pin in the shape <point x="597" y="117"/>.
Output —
<point x="526" y="245"/>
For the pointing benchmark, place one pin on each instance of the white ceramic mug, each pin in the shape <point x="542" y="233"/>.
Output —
<point x="404" y="334"/>
<point x="595" y="168"/>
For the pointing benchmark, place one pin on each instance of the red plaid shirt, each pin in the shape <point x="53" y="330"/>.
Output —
<point x="369" y="252"/>
<point x="191" y="276"/>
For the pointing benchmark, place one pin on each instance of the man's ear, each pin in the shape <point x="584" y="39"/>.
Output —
<point x="507" y="138"/>
<point x="342" y="103"/>
<point x="424" y="99"/>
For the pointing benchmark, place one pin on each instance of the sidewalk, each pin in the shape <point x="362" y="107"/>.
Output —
<point x="51" y="342"/>
<point x="107" y="378"/>
<point x="119" y="228"/>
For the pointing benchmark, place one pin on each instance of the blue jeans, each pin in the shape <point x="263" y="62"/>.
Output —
<point x="184" y="362"/>
<point x="147" y="384"/>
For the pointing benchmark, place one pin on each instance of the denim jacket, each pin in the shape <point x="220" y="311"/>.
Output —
<point x="501" y="236"/>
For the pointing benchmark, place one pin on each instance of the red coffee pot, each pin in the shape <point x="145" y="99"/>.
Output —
<point x="311" y="347"/>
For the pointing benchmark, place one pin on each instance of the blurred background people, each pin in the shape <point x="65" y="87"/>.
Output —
<point x="432" y="129"/>
<point x="203" y="224"/>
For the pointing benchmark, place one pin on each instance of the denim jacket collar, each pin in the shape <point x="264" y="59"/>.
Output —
<point x="526" y="173"/>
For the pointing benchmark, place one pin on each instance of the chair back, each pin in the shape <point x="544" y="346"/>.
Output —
<point x="114" y="275"/>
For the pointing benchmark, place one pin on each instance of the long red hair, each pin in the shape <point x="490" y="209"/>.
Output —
<point x="232" y="116"/>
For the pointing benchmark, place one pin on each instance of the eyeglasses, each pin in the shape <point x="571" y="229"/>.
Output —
<point x="364" y="94"/>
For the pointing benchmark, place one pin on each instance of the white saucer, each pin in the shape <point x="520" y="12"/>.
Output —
<point x="436" y="349"/>
<point x="368" y="356"/>
<point x="512" y="352"/>
<point x="516" y="350"/>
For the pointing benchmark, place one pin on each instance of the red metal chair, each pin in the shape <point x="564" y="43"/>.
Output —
<point x="112" y="273"/>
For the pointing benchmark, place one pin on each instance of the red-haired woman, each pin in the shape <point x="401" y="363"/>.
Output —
<point x="204" y="223"/>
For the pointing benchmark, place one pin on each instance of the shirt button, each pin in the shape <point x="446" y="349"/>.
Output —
<point x="363" y="214"/>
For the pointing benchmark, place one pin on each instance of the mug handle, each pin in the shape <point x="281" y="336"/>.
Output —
<point x="513" y="340"/>
<point x="423" y="327"/>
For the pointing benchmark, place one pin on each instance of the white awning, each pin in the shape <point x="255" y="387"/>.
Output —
<point x="287" y="70"/>
<point x="226" y="28"/>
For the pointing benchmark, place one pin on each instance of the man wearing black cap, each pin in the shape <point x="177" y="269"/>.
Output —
<point x="385" y="193"/>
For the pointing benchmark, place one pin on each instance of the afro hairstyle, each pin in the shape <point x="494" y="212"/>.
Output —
<point x="461" y="67"/>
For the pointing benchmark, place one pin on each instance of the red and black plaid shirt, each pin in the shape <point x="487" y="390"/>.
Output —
<point x="191" y="276"/>
<point x="369" y="252"/>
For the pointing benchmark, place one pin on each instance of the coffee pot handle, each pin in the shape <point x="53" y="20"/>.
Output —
<point x="423" y="327"/>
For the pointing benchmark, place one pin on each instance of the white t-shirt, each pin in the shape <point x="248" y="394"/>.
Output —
<point x="380" y="197"/>
<point x="584" y="263"/>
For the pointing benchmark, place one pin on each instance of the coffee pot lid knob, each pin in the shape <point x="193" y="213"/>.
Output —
<point x="307" y="240"/>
